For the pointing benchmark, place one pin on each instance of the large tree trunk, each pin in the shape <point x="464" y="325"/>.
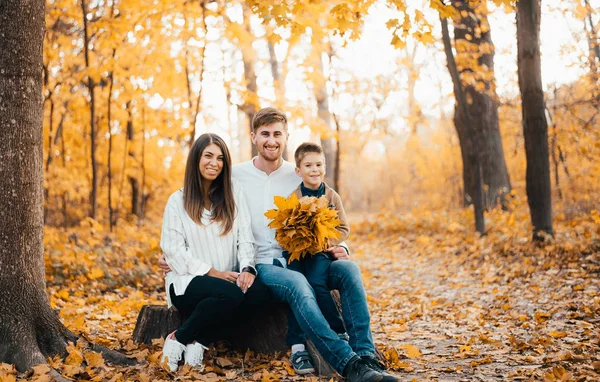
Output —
<point x="29" y="330"/>
<point x="535" y="126"/>
<point x="470" y="151"/>
<point x="475" y="59"/>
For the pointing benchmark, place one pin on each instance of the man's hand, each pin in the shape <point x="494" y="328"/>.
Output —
<point x="162" y="264"/>
<point x="338" y="252"/>
<point x="245" y="281"/>
<point x="227" y="276"/>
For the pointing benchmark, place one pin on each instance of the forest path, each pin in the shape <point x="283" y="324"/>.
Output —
<point x="445" y="313"/>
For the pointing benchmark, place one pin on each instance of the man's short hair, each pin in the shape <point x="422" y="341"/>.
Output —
<point x="268" y="116"/>
<point x="306" y="148"/>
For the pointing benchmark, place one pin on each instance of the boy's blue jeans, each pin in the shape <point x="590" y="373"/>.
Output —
<point x="316" y="270"/>
<point x="344" y="275"/>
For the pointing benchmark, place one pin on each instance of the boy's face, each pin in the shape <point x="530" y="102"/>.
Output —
<point x="312" y="170"/>
<point x="270" y="141"/>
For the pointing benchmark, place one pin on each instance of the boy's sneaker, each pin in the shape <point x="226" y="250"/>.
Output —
<point x="301" y="363"/>
<point x="194" y="354"/>
<point x="357" y="370"/>
<point x="172" y="352"/>
<point x="377" y="365"/>
<point x="344" y="336"/>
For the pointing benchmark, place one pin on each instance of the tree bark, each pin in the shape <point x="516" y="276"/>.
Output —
<point x="473" y="155"/>
<point x="328" y="140"/>
<point x="250" y="106"/>
<point x="110" y="146"/>
<point x="30" y="330"/>
<point x="473" y="40"/>
<point x="196" y="110"/>
<point x="535" y="126"/>
<point x="136" y="197"/>
<point x="278" y="83"/>
<point x="91" y="87"/>
<point x="592" y="36"/>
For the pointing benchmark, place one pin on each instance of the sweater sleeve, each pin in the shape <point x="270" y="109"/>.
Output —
<point x="344" y="227"/>
<point x="246" y="251"/>
<point x="174" y="245"/>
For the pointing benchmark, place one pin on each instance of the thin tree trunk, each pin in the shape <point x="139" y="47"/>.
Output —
<point x="593" y="37"/>
<point x="250" y="106"/>
<point x="338" y="153"/>
<point x="110" y="147"/>
<point x="473" y="157"/>
<point x="196" y="110"/>
<point x="554" y="145"/>
<point x="30" y="330"/>
<point x="278" y="83"/>
<point x="142" y="195"/>
<point x="535" y="126"/>
<point x="473" y="40"/>
<point x="133" y="181"/>
<point x="327" y="138"/>
<point x="91" y="86"/>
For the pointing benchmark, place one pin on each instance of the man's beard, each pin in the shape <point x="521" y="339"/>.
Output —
<point x="271" y="156"/>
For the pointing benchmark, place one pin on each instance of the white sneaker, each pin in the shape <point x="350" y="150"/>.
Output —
<point x="194" y="354"/>
<point x="172" y="352"/>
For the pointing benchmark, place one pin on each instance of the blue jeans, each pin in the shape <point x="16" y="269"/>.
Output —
<point x="316" y="270"/>
<point x="344" y="275"/>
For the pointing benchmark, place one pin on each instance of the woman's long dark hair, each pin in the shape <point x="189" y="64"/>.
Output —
<point x="220" y="193"/>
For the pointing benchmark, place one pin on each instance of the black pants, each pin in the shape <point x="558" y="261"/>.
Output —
<point x="209" y="305"/>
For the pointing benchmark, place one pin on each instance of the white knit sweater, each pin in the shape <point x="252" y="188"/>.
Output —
<point x="192" y="250"/>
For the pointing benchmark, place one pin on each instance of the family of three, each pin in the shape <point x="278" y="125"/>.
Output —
<point x="222" y="260"/>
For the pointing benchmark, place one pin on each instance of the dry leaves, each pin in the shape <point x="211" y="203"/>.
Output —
<point x="303" y="226"/>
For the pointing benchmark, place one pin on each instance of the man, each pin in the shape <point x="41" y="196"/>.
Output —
<point x="268" y="175"/>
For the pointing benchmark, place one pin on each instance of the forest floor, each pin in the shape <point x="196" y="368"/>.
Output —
<point x="446" y="304"/>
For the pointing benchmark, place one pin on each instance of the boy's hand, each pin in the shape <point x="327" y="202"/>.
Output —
<point x="338" y="252"/>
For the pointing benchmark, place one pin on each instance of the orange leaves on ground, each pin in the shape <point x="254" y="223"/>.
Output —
<point x="303" y="226"/>
<point x="412" y="351"/>
<point x="559" y="374"/>
<point x="7" y="373"/>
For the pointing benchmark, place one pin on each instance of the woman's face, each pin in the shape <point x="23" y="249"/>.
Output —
<point x="211" y="162"/>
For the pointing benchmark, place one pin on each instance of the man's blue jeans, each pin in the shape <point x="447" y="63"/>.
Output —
<point x="316" y="270"/>
<point x="344" y="275"/>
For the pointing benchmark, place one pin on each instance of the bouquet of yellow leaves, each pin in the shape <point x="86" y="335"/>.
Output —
<point x="303" y="226"/>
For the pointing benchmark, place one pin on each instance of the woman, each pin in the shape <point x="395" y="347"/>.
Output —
<point x="206" y="237"/>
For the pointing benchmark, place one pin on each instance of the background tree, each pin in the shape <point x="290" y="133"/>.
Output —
<point x="475" y="63"/>
<point x="535" y="126"/>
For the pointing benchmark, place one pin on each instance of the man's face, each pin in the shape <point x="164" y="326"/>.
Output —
<point x="270" y="141"/>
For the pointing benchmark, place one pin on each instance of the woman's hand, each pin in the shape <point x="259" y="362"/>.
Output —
<point x="227" y="276"/>
<point x="162" y="264"/>
<point x="245" y="281"/>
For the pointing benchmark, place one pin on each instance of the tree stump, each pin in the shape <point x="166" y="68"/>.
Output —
<point x="264" y="332"/>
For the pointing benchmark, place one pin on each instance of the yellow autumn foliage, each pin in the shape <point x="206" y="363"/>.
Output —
<point x="303" y="226"/>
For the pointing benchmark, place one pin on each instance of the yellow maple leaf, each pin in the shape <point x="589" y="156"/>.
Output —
<point x="75" y="357"/>
<point x="94" y="359"/>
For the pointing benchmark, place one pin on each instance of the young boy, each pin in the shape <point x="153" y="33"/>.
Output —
<point x="310" y="166"/>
